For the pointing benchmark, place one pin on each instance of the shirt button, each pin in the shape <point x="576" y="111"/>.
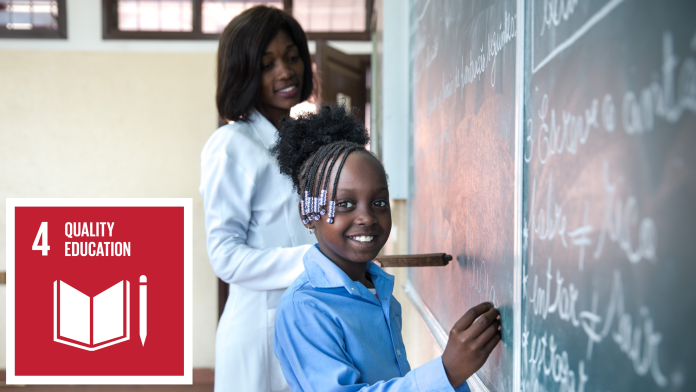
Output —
<point x="398" y="352"/>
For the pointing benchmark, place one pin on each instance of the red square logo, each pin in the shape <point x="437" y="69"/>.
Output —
<point x="99" y="292"/>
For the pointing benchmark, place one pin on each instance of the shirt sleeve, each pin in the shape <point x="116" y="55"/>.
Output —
<point x="228" y="191"/>
<point x="310" y="348"/>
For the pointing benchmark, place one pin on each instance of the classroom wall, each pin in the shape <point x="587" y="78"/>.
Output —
<point x="95" y="124"/>
<point x="395" y="114"/>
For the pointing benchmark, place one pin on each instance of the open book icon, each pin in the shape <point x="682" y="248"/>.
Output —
<point x="91" y="323"/>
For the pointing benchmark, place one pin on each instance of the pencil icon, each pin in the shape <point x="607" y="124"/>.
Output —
<point x="143" y="308"/>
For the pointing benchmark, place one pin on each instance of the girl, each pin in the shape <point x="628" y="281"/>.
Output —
<point x="263" y="70"/>
<point x="338" y="326"/>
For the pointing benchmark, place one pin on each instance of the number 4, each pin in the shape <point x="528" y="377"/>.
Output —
<point x="43" y="233"/>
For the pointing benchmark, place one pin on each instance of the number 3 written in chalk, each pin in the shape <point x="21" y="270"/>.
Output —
<point x="42" y="236"/>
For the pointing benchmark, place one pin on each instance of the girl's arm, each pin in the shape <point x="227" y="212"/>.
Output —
<point x="311" y="350"/>
<point x="228" y="191"/>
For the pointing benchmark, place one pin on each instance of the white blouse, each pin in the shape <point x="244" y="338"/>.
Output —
<point x="255" y="243"/>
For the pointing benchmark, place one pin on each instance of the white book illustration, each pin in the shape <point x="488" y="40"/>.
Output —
<point x="91" y="323"/>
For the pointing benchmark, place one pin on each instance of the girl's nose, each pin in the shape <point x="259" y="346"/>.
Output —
<point x="366" y="217"/>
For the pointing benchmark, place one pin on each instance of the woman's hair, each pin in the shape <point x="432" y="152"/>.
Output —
<point x="241" y="49"/>
<point x="309" y="147"/>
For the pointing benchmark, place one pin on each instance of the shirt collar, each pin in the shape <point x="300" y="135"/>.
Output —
<point x="264" y="129"/>
<point x="323" y="273"/>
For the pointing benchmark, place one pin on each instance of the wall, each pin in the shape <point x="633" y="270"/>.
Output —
<point x="81" y="124"/>
<point x="395" y="95"/>
<point x="84" y="117"/>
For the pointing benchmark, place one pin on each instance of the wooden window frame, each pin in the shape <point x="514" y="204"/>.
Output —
<point x="110" y="26"/>
<point x="340" y="36"/>
<point x="60" y="33"/>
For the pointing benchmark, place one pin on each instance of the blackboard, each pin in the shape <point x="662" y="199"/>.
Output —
<point x="596" y="147"/>
<point x="463" y="91"/>
<point x="610" y="186"/>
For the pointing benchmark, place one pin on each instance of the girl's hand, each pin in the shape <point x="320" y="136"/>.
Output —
<point x="471" y="341"/>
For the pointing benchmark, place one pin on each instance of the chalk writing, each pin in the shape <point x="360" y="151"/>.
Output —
<point x="556" y="11"/>
<point x="471" y="66"/>
<point x="618" y="218"/>
<point x="557" y="366"/>
<point x="476" y="273"/>
<point x="602" y="214"/>
<point x="667" y="100"/>
<point x="628" y="337"/>
<point x="553" y="138"/>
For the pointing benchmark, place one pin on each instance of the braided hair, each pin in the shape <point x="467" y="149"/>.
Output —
<point x="309" y="147"/>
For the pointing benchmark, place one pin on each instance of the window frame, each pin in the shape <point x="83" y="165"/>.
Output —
<point x="110" y="26"/>
<point x="340" y="36"/>
<point x="60" y="33"/>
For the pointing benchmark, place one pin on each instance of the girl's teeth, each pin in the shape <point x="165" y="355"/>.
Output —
<point x="287" y="89"/>
<point x="364" y="238"/>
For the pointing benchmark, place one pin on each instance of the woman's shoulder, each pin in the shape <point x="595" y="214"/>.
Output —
<point x="233" y="139"/>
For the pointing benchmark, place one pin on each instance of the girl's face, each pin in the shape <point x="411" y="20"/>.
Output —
<point x="363" y="218"/>
<point x="282" y="71"/>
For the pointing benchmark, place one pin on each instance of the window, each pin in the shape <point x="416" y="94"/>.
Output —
<point x="331" y="16"/>
<point x="172" y="15"/>
<point x="217" y="14"/>
<point x="32" y="19"/>
<point x="172" y="19"/>
<point x="205" y="19"/>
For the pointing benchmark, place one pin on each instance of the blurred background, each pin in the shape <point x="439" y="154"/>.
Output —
<point x="115" y="98"/>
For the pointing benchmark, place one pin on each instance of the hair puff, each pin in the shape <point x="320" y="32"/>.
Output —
<point x="300" y="138"/>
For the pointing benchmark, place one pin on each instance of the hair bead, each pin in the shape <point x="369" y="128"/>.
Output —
<point x="322" y="202"/>
<point x="308" y="210"/>
<point x="332" y="211"/>
<point x="320" y="165"/>
<point x="315" y="207"/>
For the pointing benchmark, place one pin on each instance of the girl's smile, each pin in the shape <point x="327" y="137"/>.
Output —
<point x="363" y="219"/>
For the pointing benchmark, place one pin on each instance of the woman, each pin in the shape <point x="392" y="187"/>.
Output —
<point x="254" y="241"/>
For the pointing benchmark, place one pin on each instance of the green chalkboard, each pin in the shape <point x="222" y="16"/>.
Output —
<point x="610" y="221"/>
<point x="463" y="91"/>
<point x="569" y="201"/>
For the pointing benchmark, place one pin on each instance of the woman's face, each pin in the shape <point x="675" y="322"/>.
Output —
<point x="282" y="71"/>
<point x="363" y="218"/>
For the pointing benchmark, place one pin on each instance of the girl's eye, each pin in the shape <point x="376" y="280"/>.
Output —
<point x="294" y="58"/>
<point x="381" y="203"/>
<point x="345" y="204"/>
<point x="267" y="66"/>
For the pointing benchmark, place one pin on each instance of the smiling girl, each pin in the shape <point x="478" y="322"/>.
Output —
<point x="264" y="69"/>
<point x="338" y="327"/>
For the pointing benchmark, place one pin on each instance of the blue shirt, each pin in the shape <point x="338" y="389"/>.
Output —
<point x="332" y="334"/>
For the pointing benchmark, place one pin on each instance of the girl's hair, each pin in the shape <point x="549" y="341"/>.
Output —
<point x="240" y="53"/>
<point x="308" y="148"/>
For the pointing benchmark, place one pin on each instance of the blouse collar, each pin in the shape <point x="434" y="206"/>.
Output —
<point x="264" y="129"/>
<point x="323" y="273"/>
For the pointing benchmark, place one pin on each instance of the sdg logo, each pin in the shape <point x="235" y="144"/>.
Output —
<point x="99" y="291"/>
